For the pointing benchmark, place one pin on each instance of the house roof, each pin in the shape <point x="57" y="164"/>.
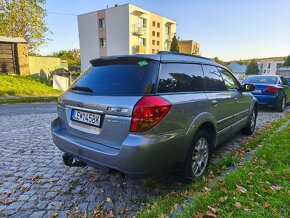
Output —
<point x="238" y="68"/>
<point x="12" y="39"/>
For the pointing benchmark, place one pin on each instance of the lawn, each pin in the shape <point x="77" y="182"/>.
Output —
<point x="259" y="187"/>
<point x="25" y="86"/>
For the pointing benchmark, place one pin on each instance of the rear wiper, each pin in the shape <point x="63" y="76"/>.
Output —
<point x="82" y="88"/>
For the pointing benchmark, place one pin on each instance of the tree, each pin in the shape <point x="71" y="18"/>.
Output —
<point x="24" y="18"/>
<point x="287" y="62"/>
<point x="174" y="45"/>
<point x="217" y="60"/>
<point x="252" y="68"/>
<point x="71" y="56"/>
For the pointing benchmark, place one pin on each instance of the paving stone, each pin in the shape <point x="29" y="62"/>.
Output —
<point x="42" y="205"/>
<point x="23" y="197"/>
<point x="38" y="214"/>
<point x="55" y="205"/>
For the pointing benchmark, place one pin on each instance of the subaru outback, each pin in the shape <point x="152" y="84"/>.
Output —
<point x="151" y="114"/>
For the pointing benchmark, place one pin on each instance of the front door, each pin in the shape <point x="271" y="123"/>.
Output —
<point x="241" y="101"/>
<point x="220" y="102"/>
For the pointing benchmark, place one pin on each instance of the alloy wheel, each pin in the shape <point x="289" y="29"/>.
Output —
<point x="200" y="157"/>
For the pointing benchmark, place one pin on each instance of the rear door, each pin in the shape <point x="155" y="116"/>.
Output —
<point x="98" y="107"/>
<point x="220" y="102"/>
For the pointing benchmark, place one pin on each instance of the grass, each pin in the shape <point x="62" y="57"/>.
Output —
<point x="260" y="188"/>
<point x="169" y="201"/>
<point x="27" y="100"/>
<point x="25" y="86"/>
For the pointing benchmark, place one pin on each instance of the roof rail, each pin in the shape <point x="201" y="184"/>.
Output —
<point x="184" y="54"/>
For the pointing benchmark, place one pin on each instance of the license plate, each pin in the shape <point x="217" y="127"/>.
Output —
<point x="86" y="117"/>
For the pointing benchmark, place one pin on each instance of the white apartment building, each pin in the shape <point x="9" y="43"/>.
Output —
<point x="269" y="66"/>
<point x="123" y="30"/>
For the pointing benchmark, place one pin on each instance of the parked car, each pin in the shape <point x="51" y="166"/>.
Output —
<point x="288" y="80"/>
<point x="149" y="114"/>
<point x="272" y="90"/>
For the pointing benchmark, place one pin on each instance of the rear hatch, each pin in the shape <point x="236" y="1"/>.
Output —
<point x="98" y="107"/>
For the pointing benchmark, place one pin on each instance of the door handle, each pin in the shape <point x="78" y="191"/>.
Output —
<point x="214" y="102"/>
<point x="237" y="99"/>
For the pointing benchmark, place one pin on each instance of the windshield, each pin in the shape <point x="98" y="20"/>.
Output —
<point x="120" y="76"/>
<point x="261" y="79"/>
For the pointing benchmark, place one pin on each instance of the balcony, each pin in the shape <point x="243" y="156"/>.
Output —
<point x="141" y="49"/>
<point x="139" y="29"/>
<point x="168" y="37"/>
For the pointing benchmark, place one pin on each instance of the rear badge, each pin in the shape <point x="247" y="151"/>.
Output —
<point x="117" y="109"/>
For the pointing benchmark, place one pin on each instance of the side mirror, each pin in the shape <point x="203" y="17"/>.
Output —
<point x="248" y="88"/>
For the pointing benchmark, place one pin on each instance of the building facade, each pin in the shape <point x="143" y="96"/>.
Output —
<point x="189" y="47"/>
<point x="123" y="30"/>
<point x="269" y="66"/>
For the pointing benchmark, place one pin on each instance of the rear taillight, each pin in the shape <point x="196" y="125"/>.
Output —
<point x="148" y="112"/>
<point x="271" y="89"/>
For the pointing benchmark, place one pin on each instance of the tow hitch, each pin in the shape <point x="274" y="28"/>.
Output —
<point x="71" y="161"/>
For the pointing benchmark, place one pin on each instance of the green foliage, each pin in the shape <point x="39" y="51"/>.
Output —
<point x="287" y="62"/>
<point x="217" y="60"/>
<point x="174" y="45"/>
<point x="252" y="68"/>
<point x="71" y="56"/>
<point x="25" y="86"/>
<point x="24" y="18"/>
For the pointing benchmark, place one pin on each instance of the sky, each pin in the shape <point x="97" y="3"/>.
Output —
<point x="228" y="29"/>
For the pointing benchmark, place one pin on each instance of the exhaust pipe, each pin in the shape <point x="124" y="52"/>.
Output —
<point x="70" y="161"/>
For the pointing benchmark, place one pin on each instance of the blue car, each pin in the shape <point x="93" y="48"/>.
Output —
<point x="271" y="90"/>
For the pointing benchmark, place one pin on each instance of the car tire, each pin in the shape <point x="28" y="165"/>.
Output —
<point x="198" y="157"/>
<point x="249" y="129"/>
<point x="282" y="104"/>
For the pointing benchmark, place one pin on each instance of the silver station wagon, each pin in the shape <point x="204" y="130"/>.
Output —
<point x="151" y="114"/>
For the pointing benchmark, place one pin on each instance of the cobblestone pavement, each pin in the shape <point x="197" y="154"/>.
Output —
<point x="35" y="183"/>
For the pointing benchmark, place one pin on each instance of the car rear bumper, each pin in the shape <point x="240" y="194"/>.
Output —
<point x="267" y="99"/>
<point x="139" y="155"/>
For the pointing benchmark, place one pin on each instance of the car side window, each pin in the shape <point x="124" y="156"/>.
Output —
<point x="213" y="79"/>
<point x="178" y="77"/>
<point x="230" y="81"/>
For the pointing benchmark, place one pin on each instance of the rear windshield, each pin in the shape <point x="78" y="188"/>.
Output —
<point x="261" y="80"/>
<point x="127" y="76"/>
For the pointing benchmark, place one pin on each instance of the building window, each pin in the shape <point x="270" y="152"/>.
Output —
<point x="153" y="33"/>
<point x="102" y="42"/>
<point x="142" y="22"/>
<point x="269" y="65"/>
<point x="264" y="71"/>
<point x="279" y="65"/>
<point x="153" y="51"/>
<point x="261" y="66"/>
<point x="142" y="42"/>
<point x="153" y="42"/>
<point x="158" y="25"/>
<point x="158" y="34"/>
<point x="157" y="50"/>
<point x="167" y="30"/>
<point x="102" y="23"/>
<point x="153" y="23"/>
<point x="158" y="43"/>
